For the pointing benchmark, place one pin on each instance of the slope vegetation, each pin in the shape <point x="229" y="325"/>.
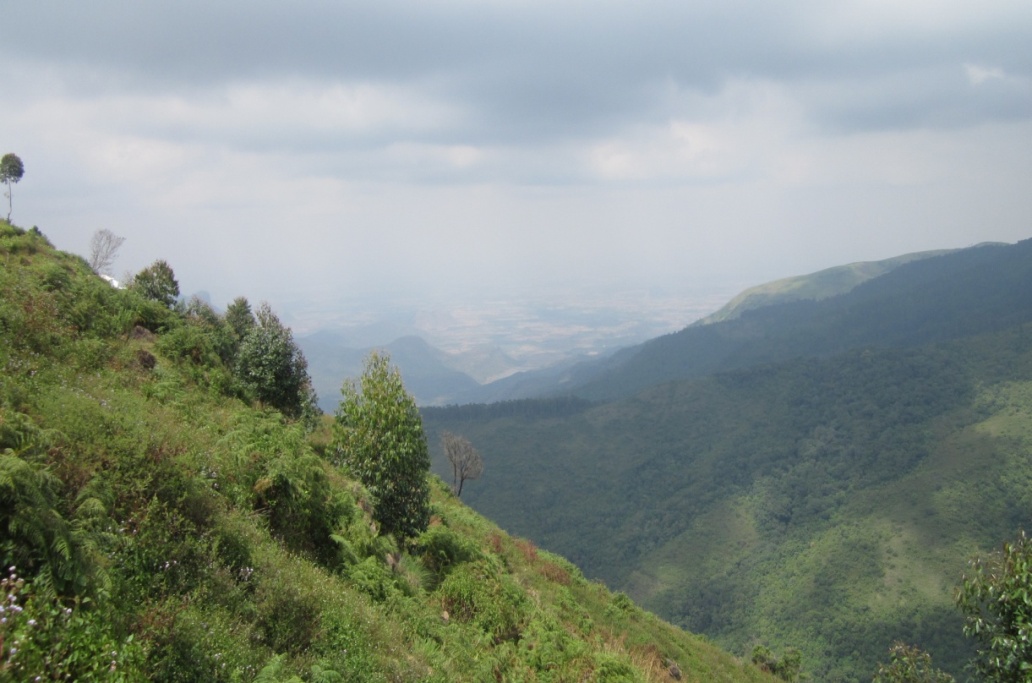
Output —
<point x="825" y="492"/>
<point x="154" y="525"/>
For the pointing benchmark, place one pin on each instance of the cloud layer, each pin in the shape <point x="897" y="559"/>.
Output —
<point x="284" y="150"/>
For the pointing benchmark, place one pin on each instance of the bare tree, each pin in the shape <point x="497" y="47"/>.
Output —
<point x="465" y="460"/>
<point x="104" y="250"/>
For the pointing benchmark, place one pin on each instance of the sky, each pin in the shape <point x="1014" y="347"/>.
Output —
<point x="389" y="151"/>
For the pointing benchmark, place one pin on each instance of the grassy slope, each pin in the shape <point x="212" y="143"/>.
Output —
<point x="169" y="531"/>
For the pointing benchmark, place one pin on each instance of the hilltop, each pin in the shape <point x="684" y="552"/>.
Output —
<point x="161" y="524"/>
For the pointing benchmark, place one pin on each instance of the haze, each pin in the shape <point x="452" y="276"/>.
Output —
<point x="329" y="156"/>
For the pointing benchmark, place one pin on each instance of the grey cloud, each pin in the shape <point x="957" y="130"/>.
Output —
<point x="524" y="72"/>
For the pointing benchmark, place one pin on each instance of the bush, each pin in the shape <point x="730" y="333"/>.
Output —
<point x="45" y="640"/>
<point x="441" y="549"/>
<point x="475" y="593"/>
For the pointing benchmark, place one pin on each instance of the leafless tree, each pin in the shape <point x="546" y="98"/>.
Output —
<point x="103" y="250"/>
<point x="465" y="460"/>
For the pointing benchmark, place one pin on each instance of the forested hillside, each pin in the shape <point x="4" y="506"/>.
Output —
<point x="965" y="292"/>
<point x="826" y="493"/>
<point x="172" y="509"/>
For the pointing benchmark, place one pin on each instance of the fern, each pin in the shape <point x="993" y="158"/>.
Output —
<point x="39" y="538"/>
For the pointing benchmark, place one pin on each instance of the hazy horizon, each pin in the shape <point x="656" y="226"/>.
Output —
<point x="321" y="153"/>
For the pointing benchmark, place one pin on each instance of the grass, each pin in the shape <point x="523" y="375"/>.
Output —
<point x="167" y="529"/>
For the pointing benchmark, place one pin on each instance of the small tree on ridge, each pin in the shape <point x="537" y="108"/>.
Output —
<point x="157" y="282"/>
<point x="11" y="171"/>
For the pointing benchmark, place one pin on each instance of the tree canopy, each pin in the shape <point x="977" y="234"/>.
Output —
<point x="271" y="366"/>
<point x="996" y="599"/>
<point x="157" y="282"/>
<point x="379" y="439"/>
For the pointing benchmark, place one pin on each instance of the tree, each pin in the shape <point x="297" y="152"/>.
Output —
<point x="910" y="665"/>
<point x="240" y="317"/>
<point x="464" y="458"/>
<point x="996" y="599"/>
<point x="157" y="282"/>
<point x="11" y="171"/>
<point x="103" y="250"/>
<point x="378" y="438"/>
<point x="272" y="368"/>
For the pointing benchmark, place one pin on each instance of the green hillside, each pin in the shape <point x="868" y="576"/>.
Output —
<point x="828" y="502"/>
<point x="815" y="286"/>
<point x="157" y="523"/>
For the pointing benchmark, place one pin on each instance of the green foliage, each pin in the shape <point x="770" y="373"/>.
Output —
<point x="165" y="531"/>
<point x="788" y="667"/>
<point x="158" y="283"/>
<point x="42" y="639"/>
<point x="996" y="599"/>
<point x="378" y="438"/>
<point x="302" y="506"/>
<point x="476" y="593"/>
<point x="272" y="368"/>
<point x="36" y="536"/>
<point x="909" y="664"/>
<point x="240" y="318"/>
<point x="442" y="549"/>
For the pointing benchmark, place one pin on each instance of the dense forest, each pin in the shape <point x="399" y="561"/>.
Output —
<point x="172" y="508"/>
<point x="820" y="481"/>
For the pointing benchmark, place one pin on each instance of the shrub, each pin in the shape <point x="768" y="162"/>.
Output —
<point x="442" y="549"/>
<point x="475" y="593"/>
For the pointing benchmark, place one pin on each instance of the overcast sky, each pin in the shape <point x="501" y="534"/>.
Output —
<point x="283" y="150"/>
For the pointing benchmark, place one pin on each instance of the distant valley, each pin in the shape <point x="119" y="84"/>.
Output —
<point x="497" y="349"/>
